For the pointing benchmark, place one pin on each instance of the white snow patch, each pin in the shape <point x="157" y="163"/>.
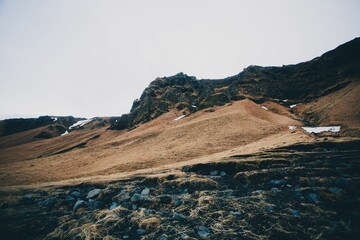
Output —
<point x="54" y="118"/>
<point x="178" y="118"/>
<point x="81" y="123"/>
<point x="194" y="106"/>
<point x="285" y="100"/>
<point x="64" y="133"/>
<point x="292" y="127"/>
<point x="263" y="107"/>
<point x="322" y="129"/>
<point x="294" y="105"/>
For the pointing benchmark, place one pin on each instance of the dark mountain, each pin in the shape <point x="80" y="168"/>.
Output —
<point x="302" y="82"/>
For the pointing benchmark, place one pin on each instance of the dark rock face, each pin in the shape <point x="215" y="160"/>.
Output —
<point x="298" y="83"/>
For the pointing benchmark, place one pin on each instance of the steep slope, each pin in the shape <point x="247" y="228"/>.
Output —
<point x="337" y="108"/>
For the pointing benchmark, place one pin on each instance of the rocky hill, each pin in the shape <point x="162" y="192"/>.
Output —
<point x="303" y="82"/>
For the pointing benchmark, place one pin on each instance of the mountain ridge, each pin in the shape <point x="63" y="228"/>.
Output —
<point x="300" y="82"/>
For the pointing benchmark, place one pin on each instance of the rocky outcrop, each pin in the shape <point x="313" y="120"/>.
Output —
<point x="302" y="82"/>
<point x="56" y="124"/>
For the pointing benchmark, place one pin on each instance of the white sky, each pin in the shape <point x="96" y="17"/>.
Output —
<point x="93" y="58"/>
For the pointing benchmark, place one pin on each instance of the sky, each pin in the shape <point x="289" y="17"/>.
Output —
<point x="93" y="58"/>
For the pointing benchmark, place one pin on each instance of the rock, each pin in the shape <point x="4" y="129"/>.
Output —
<point x="203" y="232"/>
<point x="113" y="205"/>
<point x="93" y="193"/>
<point x="95" y="204"/>
<point x="335" y="190"/>
<point x="257" y="192"/>
<point x="277" y="182"/>
<point x="76" y="194"/>
<point x="312" y="197"/>
<point x="170" y="177"/>
<point x="123" y="191"/>
<point x="165" y="199"/>
<point x="145" y="192"/>
<point x="269" y="208"/>
<point x="222" y="173"/>
<point x="163" y="238"/>
<point x="140" y="232"/>
<point x="214" y="173"/>
<point x="236" y="213"/>
<point x="275" y="190"/>
<point x="50" y="202"/>
<point x="178" y="217"/>
<point x="177" y="202"/>
<point x="28" y="197"/>
<point x="295" y="213"/>
<point x="137" y="198"/>
<point x="79" y="204"/>
<point x="69" y="198"/>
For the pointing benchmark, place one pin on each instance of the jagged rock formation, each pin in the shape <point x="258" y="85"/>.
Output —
<point x="302" y="82"/>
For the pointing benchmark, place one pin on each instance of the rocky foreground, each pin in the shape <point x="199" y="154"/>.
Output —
<point x="304" y="191"/>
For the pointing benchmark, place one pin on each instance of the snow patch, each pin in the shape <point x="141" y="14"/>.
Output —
<point x="322" y="129"/>
<point x="292" y="127"/>
<point x="193" y="106"/>
<point x="294" y="105"/>
<point x="178" y="118"/>
<point x="64" y="133"/>
<point x="81" y="123"/>
<point x="263" y="107"/>
<point x="285" y="100"/>
<point x="54" y="118"/>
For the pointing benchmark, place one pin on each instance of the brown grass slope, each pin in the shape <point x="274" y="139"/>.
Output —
<point x="337" y="108"/>
<point x="157" y="143"/>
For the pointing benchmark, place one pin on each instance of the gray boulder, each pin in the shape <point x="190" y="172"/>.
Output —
<point x="79" y="204"/>
<point x="93" y="193"/>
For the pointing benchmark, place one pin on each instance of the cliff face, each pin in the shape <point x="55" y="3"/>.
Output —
<point x="302" y="82"/>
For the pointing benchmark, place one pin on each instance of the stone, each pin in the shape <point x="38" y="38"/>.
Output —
<point x="295" y="213"/>
<point x="140" y="232"/>
<point x="95" y="204"/>
<point x="178" y="217"/>
<point x="50" y="202"/>
<point x="93" y="193"/>
<point x="145" y="192"/>
<point x="76" y="194"/>
<point x="177" y="203"/>
<point x="69" y="198"/>
<point x="79" y="204"/>
<point x="214" y="173"/>
<point x="237" y="213"/>
<point x="165" y="199"/>
<point x="275" y="190"/>
<point x="312" y="197"/>
<point x="137" y="198"/>
<point x="257" y="192"/>
<point x="222" y="173"/>
<point x="335" y="190"/>
<point x="163" y="238"/>
<point x="113" y="205"/>
<point x="203" y="232"/>
<point x="277" y="182"/>
<point x="28" y="197"/>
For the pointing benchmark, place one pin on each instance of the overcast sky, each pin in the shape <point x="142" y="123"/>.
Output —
<point x="93" y="58"/>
